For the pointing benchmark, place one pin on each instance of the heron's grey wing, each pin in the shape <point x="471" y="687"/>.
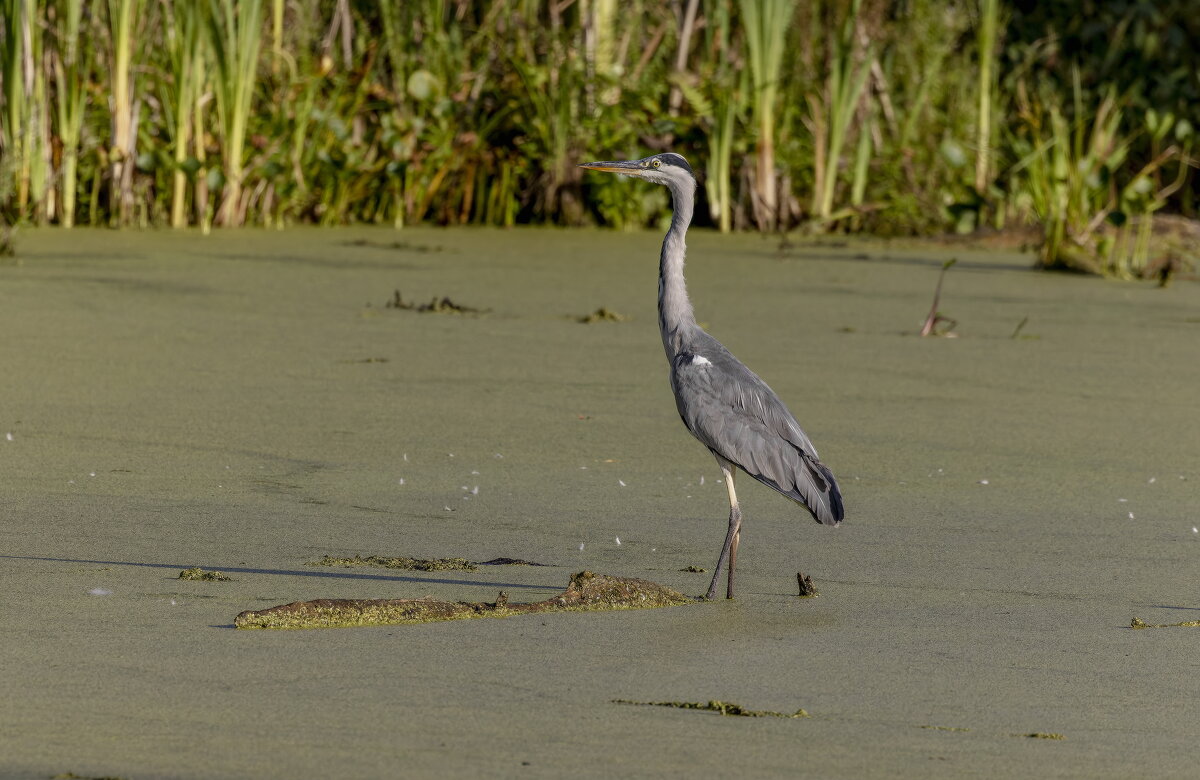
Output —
<point x="736" y="415"/>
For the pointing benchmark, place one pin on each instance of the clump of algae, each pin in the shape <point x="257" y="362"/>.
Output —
<point x="1139" y="623"/>
<point x="416" y="564"/>
<point x="586" y="592"/>
<point x="603" y="314"/>
<point x="1043" y="735"/>
<point x="436" y="305"/>
<point x="723" y="707"/>
<point x="200" y="575"/>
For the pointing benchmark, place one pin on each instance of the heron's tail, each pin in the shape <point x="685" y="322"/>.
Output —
<point x="817" y="489"/>
<point x="812" y="485"/>
<point x="829" y="511"/>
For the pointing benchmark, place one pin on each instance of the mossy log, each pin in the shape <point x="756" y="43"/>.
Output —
<point x="586" y="592"/>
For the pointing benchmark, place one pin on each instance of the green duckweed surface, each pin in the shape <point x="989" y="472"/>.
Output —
<point x="247" y="402"/>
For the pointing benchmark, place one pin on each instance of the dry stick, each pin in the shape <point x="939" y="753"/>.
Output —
<point x="651" y="48"/>
<point x="343" y="9"/>
<point x="934" y="317"/>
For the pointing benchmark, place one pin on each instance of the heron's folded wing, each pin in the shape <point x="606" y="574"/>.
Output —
<point x="737" y="416"/>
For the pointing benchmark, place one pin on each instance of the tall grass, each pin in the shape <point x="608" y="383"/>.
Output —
<point x="235" y="34"/>
<point x="1096" y="211"/>
<point x="766" y="24"/>
<point x="187" y="46"/>
<point x="70" y="77"/>
<point x="989" y="13"/>
<point x="27" y="129"/>
<point x="832" y="114"/>
<point x="124" y="18"/>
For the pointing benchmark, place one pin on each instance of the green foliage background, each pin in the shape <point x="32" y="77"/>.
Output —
<point x="887" y="116"/>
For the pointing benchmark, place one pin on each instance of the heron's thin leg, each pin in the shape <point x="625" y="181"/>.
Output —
<point x="737" y="536"/>
<point x="729" y="549"/>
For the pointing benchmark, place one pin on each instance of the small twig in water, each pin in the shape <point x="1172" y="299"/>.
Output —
<point x="931" y="322"/>
<point x="1020" y="325"/>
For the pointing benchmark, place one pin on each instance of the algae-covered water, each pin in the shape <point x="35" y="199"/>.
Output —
<point x="248" y="403"/>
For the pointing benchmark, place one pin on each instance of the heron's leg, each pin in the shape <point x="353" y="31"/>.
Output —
<point x="729" y="550"/>
<point x="730" y="473"/>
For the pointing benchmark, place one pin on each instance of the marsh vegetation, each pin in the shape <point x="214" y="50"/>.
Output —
<point x="876" y="116"/>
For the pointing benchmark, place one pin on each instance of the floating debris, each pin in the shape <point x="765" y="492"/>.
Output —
<point x="414" y="564"/>
<point x="807" y="589"/>
<point x="587" y="592"/>
<point x="603" y="314"/>
<point x="198" y="574"/>
<point x="406" y="246"/>
<point x="946" y="728"/>
<point x="436" y="305"/>
<point x="508" y="562"/>
<point x="723" y="707"/>
<point x="100" y="592"/>
<point x="695" y="569"/>
<point x="1042" y="735"/>
<point x="419" y="564"/>
<point x="352" y="361"/>
<point x="1139" y="623"/>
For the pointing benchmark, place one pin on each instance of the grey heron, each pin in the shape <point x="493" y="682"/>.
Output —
<point x="724" y="404"/>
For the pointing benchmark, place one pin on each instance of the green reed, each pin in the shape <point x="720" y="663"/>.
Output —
<point x="70" y="77"/>
<point x="766" y="24"/>
<point x="235" y="33"/>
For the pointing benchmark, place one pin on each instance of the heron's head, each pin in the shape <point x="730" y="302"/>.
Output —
<point x="667" y="168"/>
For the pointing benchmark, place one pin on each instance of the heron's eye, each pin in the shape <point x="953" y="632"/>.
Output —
<point x="657" y="163"/>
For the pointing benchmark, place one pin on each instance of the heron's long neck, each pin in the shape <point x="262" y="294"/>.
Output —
<point x="675" y="316"/>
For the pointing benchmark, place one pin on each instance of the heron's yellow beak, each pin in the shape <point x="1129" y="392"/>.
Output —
<point x="629" y="168"/>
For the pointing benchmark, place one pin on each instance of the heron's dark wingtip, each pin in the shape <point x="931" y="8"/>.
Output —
<point x="835" y="499"/>
<point x="835" y="512"/>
